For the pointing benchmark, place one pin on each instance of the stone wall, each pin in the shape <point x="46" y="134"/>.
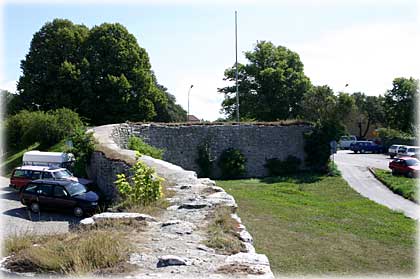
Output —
<point x="256" y="142"/>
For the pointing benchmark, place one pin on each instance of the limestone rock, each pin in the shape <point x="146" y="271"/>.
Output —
<point x="87" y="221"/>
<point x="124" y="215"/>
<point x="193" y="205"/>
<point x="170" y="260"/>
<point x="245" y="236"/>
<point x="248" y="258"/>
<point x="178" y="227"/>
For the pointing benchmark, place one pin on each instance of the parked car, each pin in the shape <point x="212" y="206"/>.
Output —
<point x="364" y="146"/>
<point x="394" y="149"/>
<point x="345" y="141"/>
<point x="409" y="151"/>
<point x="59" y="195"/>
<point x="48" y="159"/>
<point x="406" y="166"/>
<point x="25" y="174"/>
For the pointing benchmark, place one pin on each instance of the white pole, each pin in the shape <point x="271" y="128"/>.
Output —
<point x="188" y="111"/>
<point x="236" y="68"/>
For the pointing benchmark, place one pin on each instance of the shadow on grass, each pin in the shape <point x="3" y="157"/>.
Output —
<point x="304" y="177"/>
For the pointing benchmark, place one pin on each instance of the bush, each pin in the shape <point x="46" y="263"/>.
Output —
<point x="136" y="143"/>
<point x="46" y="128"/>
<point x="83" y="146"/>
<point x="143" y="188"/>
<point x="232" y="163"/>
<point x="317" y="144"/>
<point x="277" y="167"/>
<point x="390" y="136"/>
<point x="204" y="160"/>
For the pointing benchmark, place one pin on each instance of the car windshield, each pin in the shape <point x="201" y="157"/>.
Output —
<point x="62" y="174"/>
<point x="75" y="189"/>
<point x="412" y="162"/>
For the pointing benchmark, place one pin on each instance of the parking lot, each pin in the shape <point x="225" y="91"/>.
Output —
<point x="17" y="219"/>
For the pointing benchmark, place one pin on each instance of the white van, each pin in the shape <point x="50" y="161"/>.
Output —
<point x="50" y="159"/>
<point x="345" y="141"/>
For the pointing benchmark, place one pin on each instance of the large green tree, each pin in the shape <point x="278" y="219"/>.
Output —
<point x="400" y="104"/>
<point x="271" y="85"/>
<point x="102" y="73"/>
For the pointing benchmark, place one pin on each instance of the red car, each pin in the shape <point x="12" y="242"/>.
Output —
<point x="405" y="165"/>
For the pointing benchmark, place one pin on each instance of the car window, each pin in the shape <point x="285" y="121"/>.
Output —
<point x="75" y="189"/>
<point x="21" y="174"/>
<point x="412" y="162"/>
<point x="411" y="150"/>
<point x="62" y="174"/>
<point x="31" y="188"/>
<point x="45" y="190"/>
<point x="59" y="192"/>
<point x="35" y="175"/>
<point x="47" y="175"/>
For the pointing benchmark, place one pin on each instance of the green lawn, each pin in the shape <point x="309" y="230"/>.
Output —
<point x="401" y="185"/>
<point x="13" y="158"/>
<point x="318" y="225"/>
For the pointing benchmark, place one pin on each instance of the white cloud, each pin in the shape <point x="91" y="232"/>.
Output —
<point x="367" y="57"/>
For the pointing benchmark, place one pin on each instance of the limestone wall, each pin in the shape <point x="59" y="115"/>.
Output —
<point x="256" y="142"/>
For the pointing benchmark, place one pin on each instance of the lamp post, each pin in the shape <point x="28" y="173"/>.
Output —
<point x="188" y="111"/>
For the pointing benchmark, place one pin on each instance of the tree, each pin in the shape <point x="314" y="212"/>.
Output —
<point x="319" y="103"/>
<point x="102" y="73"/>
<point x="271" y="85"/>
<point x="400" y="103"/>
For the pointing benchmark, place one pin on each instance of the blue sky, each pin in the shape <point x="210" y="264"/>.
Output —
<point x="363" y="43"/>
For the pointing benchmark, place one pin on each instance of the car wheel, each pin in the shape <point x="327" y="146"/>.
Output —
<point x="410" y="174"/>
<point x="78" y="212"/>
<point x="34" y="207"/>
<point x="393" y="172"/>
<point x="362" y="151"/>
<point x="392" y="156"/>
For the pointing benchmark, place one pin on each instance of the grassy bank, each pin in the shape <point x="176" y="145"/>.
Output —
<point x="401" y="185"/>
<point x="318" y="225"/>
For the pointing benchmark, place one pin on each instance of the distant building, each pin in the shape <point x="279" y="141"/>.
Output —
<point x="193" y="118"/>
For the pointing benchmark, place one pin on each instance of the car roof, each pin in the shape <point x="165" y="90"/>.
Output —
<point x="408" y="158"/>
<point x="55" y="182"/>
<point x="39" y="168"/>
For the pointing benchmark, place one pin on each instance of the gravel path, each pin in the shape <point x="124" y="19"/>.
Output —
<point x="354" y="168"/>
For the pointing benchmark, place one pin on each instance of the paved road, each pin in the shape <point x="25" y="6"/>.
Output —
<point x="354" y="170"/>
<point x="16" y="219"/>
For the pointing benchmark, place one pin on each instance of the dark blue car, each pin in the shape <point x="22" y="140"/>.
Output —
<point x="59" y="195"/>
<point x="364" y="146"/>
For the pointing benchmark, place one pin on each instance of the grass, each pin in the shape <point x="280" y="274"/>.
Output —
<point x="103" y="246"/>
<point x="13" y="158"/>
<point x="401" y="185"/>
<point x="311" y="224"/>
<point x="223" y="232"/>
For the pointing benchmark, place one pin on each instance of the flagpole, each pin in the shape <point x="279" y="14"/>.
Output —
<point x="236" y="68"/>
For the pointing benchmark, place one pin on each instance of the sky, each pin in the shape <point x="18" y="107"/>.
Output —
<point x="365" y="44"/>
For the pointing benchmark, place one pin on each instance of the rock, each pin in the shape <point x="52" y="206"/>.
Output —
<point x="193" y="205"/>
<point x="245" y="236"/>
<point x="222" y="198"/>
<point x="87" y="221"/>
<point x="185" y="187"/>
<point x="207" y="181"/>
<point x="123" y="215"/>
<point x="170" y="260"/>
<point x="205" y="248"/>
<point x="249" y="247"/>
<point x="172" y="207"/>
<point x="178" y="227"/>
<point x="248" y="258"/>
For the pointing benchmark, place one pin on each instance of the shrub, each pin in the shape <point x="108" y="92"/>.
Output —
<point x="83" y="146"/>
<point x="232" y="163"/>
<point x="204" y="160"/>
<point x="143" y="188"/>
<point x="317" y="143"/>
<point x="277" y="167"/>
<point x="136" y="143"/>
<point x="46" y="128"/>
<point x="390" y="136"/>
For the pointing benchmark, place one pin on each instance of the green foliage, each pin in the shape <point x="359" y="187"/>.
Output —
<point x="232" y="163"/>
<point x="277" y="167"/>
<point x="271" y="85"/>
<point x="390" y="136"/>
<point x="136" y="143"/>
<point x="101" y="72"/>
<point x="205" y="161"/>
<point x="400" y="103"/>
<point x="47" y="128"/>
<point x="83" y="146"/>
<point x="317" y="143"/>
<point x="332" y="169"/>
<point x="403" y="186"/>
<point x="143" y="188"/>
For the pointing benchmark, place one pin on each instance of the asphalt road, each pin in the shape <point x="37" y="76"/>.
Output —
<point x="354" y="168"/>
<point x="16" y="219"/>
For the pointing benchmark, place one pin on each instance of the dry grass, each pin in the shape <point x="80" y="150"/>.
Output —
<point x="223" y="233"/>
<point x="104" y="246"/>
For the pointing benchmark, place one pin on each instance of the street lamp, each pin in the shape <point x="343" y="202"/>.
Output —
<point x="189" y="90"/>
